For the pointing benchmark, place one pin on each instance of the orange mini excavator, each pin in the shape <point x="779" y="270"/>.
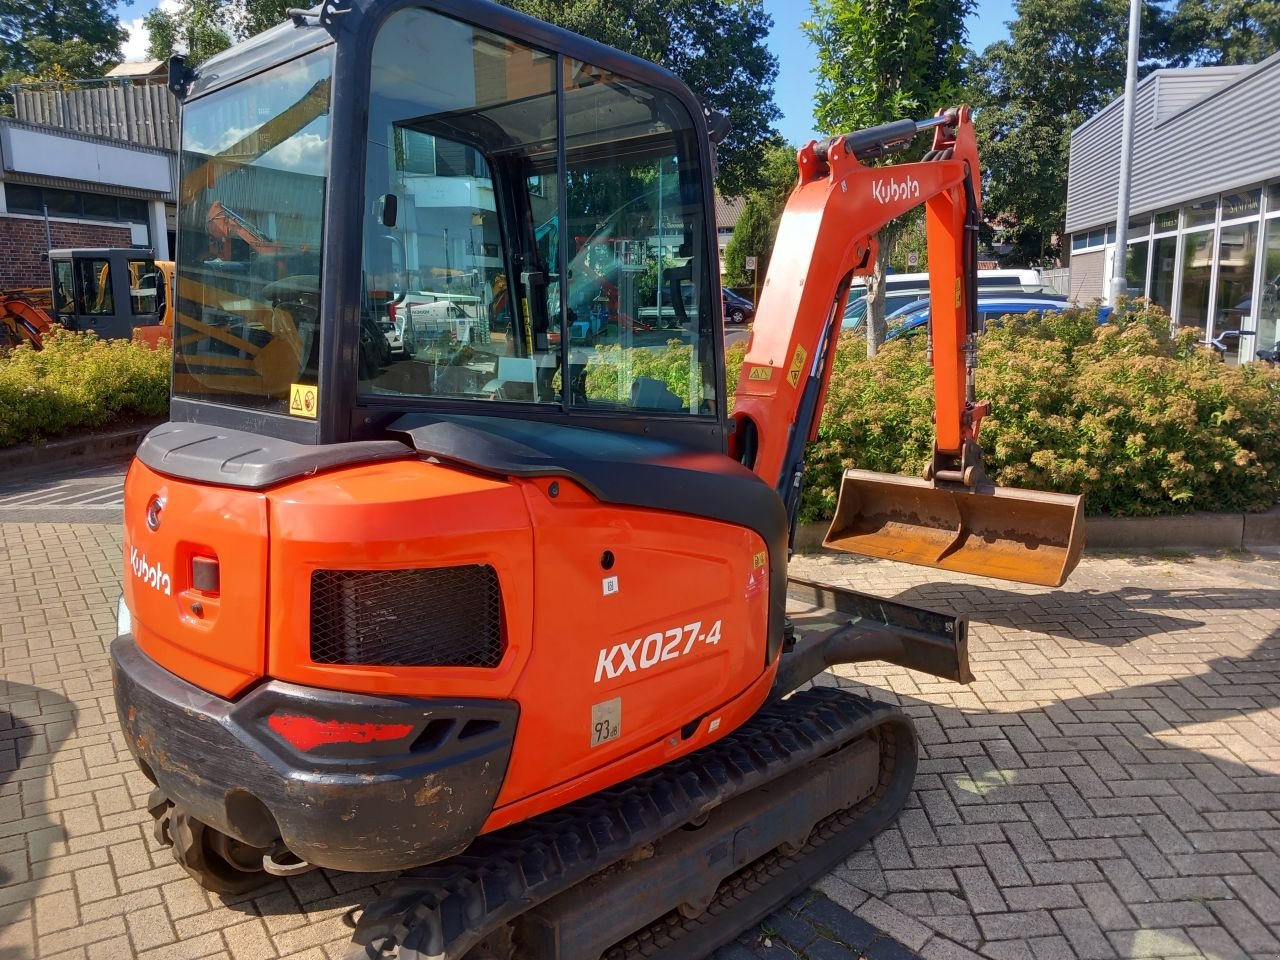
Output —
<point x="509" y="610"/>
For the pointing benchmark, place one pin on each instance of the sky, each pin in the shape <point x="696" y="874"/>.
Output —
<point x="794" y="88"/>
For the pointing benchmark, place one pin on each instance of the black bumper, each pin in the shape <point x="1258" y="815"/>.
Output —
<point x="414" y="787"/>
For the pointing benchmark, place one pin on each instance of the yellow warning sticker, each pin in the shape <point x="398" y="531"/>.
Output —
<point x="760" y="373"/>
<point x="758" y="560"/>
<point x="796" y="370"/>
<point x="304" y="401"/>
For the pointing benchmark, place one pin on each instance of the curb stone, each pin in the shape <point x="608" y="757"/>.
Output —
<point x="1191" y="531"/>
<point x="87" y="447"/>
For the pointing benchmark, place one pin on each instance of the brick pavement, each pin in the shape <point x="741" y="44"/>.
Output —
<point x="1109" y="787"/>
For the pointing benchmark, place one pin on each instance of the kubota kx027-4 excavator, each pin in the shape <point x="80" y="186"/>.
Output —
<point x="511" y="613"/>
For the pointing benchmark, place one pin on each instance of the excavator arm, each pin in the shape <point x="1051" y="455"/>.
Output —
<point x="953" y="518"/>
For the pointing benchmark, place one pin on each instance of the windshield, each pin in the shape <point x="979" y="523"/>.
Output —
<point x="254" y="169"/>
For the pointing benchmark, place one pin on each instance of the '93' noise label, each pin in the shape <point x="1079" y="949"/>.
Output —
<point x="645" y="652"/>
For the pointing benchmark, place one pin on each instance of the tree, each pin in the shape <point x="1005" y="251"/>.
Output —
<point x="1219" y="32"/>
<point x="883" y="60"/>
<point x="757" y="226"/>
<point x="1063" y="62"/>
<point x="201" y="28"/>
<point x="198" y="28"/>
<point x="715" y="46"/>
<point x="58" y="39"/>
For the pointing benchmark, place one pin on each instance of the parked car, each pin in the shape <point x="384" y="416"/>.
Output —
<point x="394" y="340"/>
<point x="895" y="299"/>
<point x="914" y="317"/>
<point x="737" y="309"/>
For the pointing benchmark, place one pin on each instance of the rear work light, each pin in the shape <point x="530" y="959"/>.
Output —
<point x="204" y="574"/>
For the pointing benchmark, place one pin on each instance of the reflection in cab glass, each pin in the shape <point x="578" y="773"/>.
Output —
<point x="252" y="189"/>
<point x="470" y="213"/>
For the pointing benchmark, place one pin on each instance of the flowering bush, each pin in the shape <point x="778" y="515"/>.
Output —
<point x="1138" y="421"/>
<point x="78" y="381"/>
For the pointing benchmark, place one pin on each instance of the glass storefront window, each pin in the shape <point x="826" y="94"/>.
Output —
<point x="1247" y="203"/>
<point x="1197" y="267"/>
<point x="1166" y="220"/>
<point x="1165" y="252"/>
<point x="1139" y="226"/>
<point x="1199" y="214"/>
<point x="1135" y="268"/>
<point x="1237" y="254"/>
<point x="1268" y="338"/>
<point x="1273" y="197"/>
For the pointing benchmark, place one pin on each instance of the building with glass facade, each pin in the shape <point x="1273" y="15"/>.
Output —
<point x="1204" y="226"/>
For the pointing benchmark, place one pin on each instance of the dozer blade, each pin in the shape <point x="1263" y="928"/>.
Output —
<point x="1026" y="535"/>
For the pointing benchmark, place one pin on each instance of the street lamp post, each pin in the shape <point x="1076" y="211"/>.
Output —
<point x="1119" y="274"/>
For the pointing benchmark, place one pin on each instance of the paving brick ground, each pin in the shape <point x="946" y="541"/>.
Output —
<point x="1109" y="787"/>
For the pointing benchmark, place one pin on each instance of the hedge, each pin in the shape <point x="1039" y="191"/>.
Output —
<point x="1137" y="420"/>
<point x="78" y="381"/>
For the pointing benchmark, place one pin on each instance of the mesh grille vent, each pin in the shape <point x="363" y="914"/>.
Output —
<point x="439" y="617"/>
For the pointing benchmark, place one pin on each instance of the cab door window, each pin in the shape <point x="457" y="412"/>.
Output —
<point x="640" y="314"/>
<point x="64" y="288"/>
<point x="94" y="286"/>
<point x="458" y="237"/>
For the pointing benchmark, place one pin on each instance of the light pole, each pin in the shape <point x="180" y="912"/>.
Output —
<point x="1119" y="275"/>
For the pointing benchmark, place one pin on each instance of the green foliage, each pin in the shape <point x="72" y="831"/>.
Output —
<point x="611" y="371"/>
<point x="879" y="61"/>
<point x="58" y="39"/>
<point x="1138" y="421"/>
<point x="203" y="28"/>
<point x="757" y="227"/>
<point x="1214" y="32"/>
<point x="717" y="47"/>
<point x="752" y="237"/>
<point x="79" y="381"/>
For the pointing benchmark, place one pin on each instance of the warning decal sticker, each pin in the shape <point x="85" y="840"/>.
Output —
<point x="304" y="401"/>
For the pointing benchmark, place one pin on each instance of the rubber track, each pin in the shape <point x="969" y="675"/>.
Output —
<point x="441" y="911"/>
<point x="760" y="888"/>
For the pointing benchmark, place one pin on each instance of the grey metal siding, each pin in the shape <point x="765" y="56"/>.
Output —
<point x="1086" y="275"/>
<point x="1212" y="145"/>
<point x="1178" y="89"/>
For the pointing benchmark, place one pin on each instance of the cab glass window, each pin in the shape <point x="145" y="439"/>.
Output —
<point x="146" y="288"/>
<point x="93" y="278"/>
<point x="640" y="322"/>
<point x="253" y="175"/>
<point x="64" y="288"/>
<point x="461" y="232"/>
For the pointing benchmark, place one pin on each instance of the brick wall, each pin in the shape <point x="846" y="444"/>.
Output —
<point x="22" y="246"/>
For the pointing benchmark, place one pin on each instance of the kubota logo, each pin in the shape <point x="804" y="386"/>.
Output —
<point x="152" y="575"/>
<point x="891" y="190"/>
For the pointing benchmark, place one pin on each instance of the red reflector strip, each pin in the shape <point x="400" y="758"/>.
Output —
<point x="307" y="733"/>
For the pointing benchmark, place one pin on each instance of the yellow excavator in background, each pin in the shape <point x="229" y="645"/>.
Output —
<point x="116" y="293"/>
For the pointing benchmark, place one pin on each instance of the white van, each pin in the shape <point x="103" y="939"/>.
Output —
<point x="986" y="278"/>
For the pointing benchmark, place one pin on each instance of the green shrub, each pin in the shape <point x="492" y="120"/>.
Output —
<point x="79" y="381"/>
<point x="1138" y="421"/>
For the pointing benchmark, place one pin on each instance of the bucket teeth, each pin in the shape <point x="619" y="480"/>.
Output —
<point x="1030" y="536"/>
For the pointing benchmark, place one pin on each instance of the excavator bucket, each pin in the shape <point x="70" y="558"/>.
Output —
<point x="1026" y="535"/>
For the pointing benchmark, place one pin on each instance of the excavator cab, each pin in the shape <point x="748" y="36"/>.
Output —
<point x="114" y="293"/>
<point x="516" y="225"/>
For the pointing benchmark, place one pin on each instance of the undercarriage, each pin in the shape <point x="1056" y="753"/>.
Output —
<point x="680" y="860"/>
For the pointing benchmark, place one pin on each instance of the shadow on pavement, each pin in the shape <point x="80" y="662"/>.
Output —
<point x="34" y="722"/>
<point x="1109" y="772"/>
<point x="1109" y="618"/>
